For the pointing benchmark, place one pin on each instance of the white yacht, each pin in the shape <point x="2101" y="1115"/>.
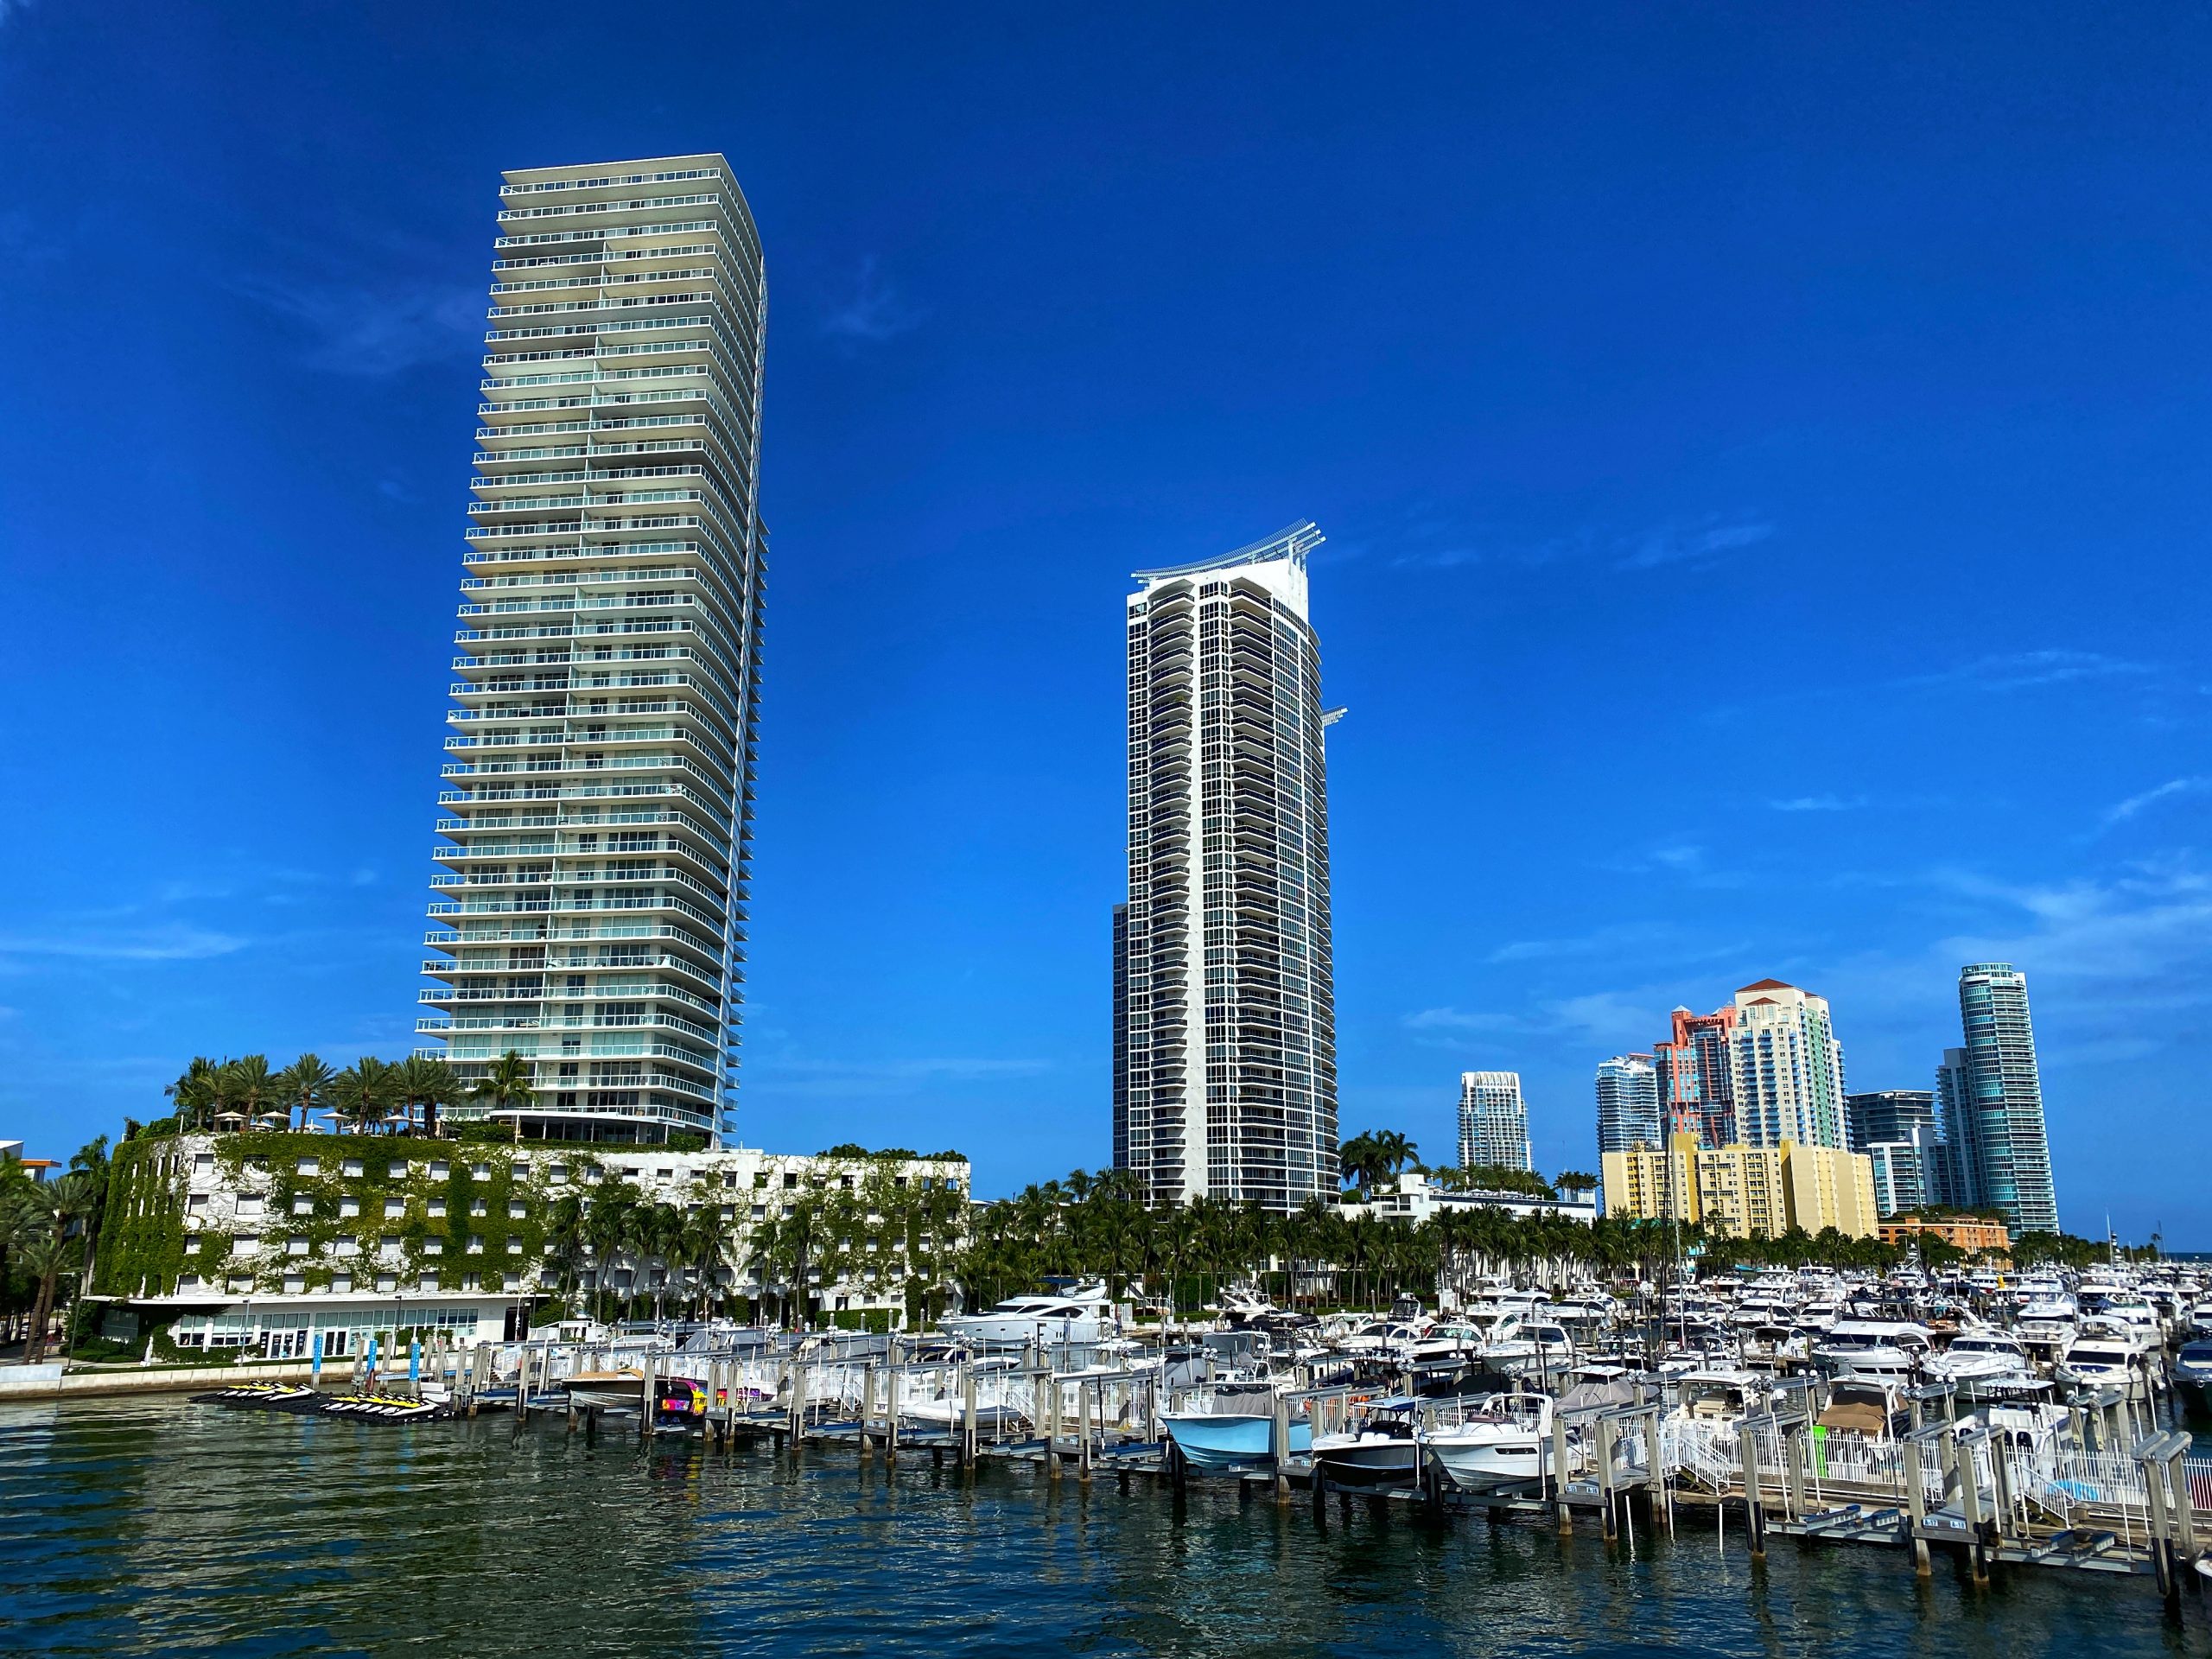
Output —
<point x="1979" y="1356"/>
<point x="1506" y="1441"/>
<point x="2106" y="1359"/>
<point x="1882" y="1351"/>
<point x="1051" y="1319"/>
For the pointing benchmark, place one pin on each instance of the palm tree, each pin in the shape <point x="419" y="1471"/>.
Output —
<point x="567" y="1240"/>
<point x="251" y="1087"/>
<point x="46" y="1258"/>
<point x="1361" y="1161"/>
<point x="1571" y="1181"/>
<point x="360" y="1094"/>
<point x="1394" y="1150"/>
<point x="304" y="1084"/>
<point x="428" y="1083"/>
<point x="194" y="1093"/>
<point x="92" y="1163"/>
<point x="510" y="1085"/>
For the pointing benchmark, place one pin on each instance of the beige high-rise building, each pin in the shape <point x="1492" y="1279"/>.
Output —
<point x="1646" y="1184"/>
<point x="1787" y="1068"/>
<point x="1742" y="1192"/>
<point x="1830" y="1188"/>
<point x="1741" y="1189"/>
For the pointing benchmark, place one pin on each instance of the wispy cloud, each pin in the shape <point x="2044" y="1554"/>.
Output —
<point x="875" y="311"/>
<point x="1608" y="1018"/>
<point x="1709" y="538"/>
<point x="2018" y="670"/>
<point x="1441" y="558"/>
<point x="1640" y="942"/>
<point x="374" y="331"/>
<point x="2121" y="812"/>
<point x="1818" y="804"/>
<point x="1679" y="857"/>
<point x="1438" y="545"/>
<point x="173" y="942"/>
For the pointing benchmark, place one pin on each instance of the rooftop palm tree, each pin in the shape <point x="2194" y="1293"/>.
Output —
<point x="427" y="1083"/>
<point x="509" y="1085"/>
<point x="249" y="1087"/>
<point x="194" y="1093"/>
<point x="303" y="1085"/>
<point x="360" y="1094"/>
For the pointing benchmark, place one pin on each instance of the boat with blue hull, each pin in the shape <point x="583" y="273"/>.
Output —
<point x="1234" y="1428"/>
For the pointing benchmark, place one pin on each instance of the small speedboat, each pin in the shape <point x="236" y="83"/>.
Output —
<point x="1506" y="1443"/>
<point x="1234" y="1427"/>
<point x="1383" y="1454"/>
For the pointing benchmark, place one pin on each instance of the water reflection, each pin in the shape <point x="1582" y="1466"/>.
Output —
<point x="164" y="1528"/>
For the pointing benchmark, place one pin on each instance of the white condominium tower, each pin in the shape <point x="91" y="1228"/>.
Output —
<point x="1493" y="1120"/>
<point x="1788" y="1068"/>
<point x="597" y="801"/>
<point x="1225" y="1019"/>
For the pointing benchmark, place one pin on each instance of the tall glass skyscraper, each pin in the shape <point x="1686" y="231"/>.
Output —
<point x="2004" y="1105"/>
<point x="1954" y="1112"/>
<point x="1225" y="1013"/>
<point x="597" y="810"/>
<point x="1493" y="1120"/>
<point x="1628" y="1103"/>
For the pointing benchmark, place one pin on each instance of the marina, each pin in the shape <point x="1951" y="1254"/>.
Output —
<point x="1833" y="1415"/>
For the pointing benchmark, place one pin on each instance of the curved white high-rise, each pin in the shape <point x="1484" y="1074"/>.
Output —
<point x="1225" y="1013"/>
<point x="597" y="805"/>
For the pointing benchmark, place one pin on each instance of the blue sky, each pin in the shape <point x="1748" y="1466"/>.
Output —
<point x="1761" y="447"/>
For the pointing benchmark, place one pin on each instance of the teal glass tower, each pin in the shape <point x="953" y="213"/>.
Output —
<point x="2010" y="1149"/>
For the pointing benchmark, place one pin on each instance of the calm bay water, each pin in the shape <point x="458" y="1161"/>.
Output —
<point x="160" y="1527"/>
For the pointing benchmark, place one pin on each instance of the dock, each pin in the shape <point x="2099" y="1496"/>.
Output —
<point x="2123" y="1503"/>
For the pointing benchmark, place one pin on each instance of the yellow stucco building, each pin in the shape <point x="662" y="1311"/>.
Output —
<point x="1740" y="1191"/>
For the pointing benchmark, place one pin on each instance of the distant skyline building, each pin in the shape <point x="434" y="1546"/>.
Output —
<point x="1228" y="1086"/>
<point x="2004" y="1111"/>
<point x="597" y="808"/>
<point x="1628" y="1103"/>
<point x="1787" y="1067"/>
<point x="1697" y="1084"/>
<point x="1953" y="1111"/>
<point x="1901" y="1131"/>
<point x="1888" y="1115"/>
<point x="1901" y="1171"/>
<point x="1493" y="1122"/>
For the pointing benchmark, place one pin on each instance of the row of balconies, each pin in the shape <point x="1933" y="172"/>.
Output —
<point x="545" y="933"/>
<point x="578" y="792"/>
<point x="440" y="995"/>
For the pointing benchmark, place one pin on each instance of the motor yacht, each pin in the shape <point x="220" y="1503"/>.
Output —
<point x="1879" y="1350"/>
<point x="2106" y="1359"/>
<point x="1975" y="1356"/>
<point x="2193" y="1379"/>
<point x="1721" y="1395"/>
<point x="1049" y="1319"/>
<point x="1872" y="1408"/>
<point x="1505" y="1440"/>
